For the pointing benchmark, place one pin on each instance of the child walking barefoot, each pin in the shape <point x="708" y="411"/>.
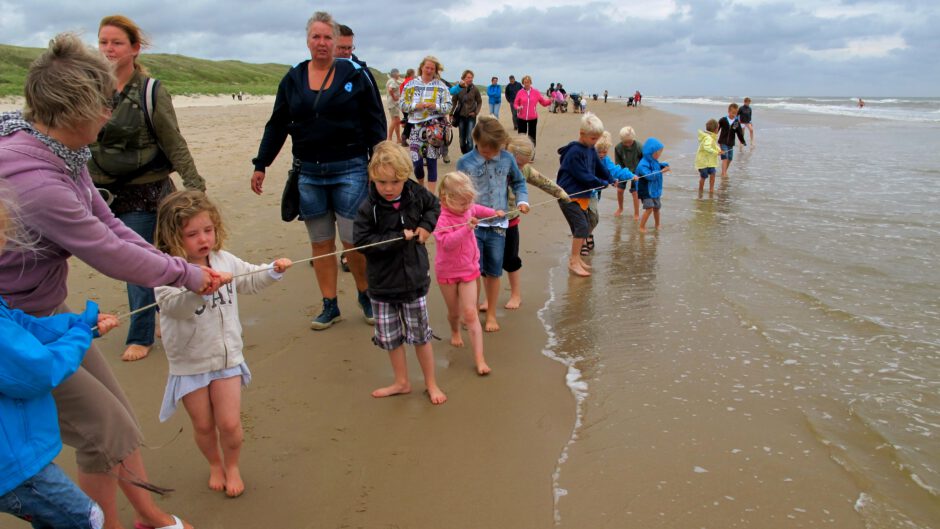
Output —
<point x="202" y="334"/>
<point x="457" y="262"/>
<point x="649" y="176"/>
<point x="397" y="218"/>
<point x="523" y="149"/>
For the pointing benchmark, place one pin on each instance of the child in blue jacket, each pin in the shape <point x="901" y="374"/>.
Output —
<point x="36" y="354"/>
<point x="649" y="187"/>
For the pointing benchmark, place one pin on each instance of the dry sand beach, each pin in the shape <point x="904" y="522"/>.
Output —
<point x="320" y="452"/>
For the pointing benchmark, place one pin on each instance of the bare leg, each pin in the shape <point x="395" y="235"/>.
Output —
<point x="449" y="292"/>
<point x="701" y="186"/>
<point x="656" y="217"/>
<point x="636" y="206"/>
<point x="140" y="499"/>
<point x="491" y="285"/>
<point x="199" y="407"/>
<point x="619" y="202"/>
<point x="226" y="396"/>
<point x="467" y="295"/>
<point x="432" y="187"/>
<point x="103" y="489"/>
<point x="357" y="265"/>
<point x="646" y="216"/>
<point x="574" y="260"/>
<point x="711" y="183"/>
<point x="515" y="290"/>
<point x="724" y="167"/>
<point x="326" y="269"/>
<point x="400" y="368"/>
<point x="426" y="358"/>
<point x="482" y="305"/>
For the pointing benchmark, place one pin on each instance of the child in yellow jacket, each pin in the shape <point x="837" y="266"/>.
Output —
<point x="706" y="157"/>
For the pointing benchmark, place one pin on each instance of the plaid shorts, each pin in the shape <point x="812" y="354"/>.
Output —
<point x="401" y="323"/>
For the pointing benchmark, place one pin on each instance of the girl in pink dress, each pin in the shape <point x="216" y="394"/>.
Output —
<point x="457" y="261"/>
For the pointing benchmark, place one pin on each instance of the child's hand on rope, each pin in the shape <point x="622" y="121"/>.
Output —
<point x="281" y="265"/>
<point x="422" y="234"/>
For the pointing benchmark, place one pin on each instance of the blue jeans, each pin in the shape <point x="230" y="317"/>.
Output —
<point x="492" y="245"/>
<point x="49" y="500"/>
<point x="466" y="130"/>
<point x="494" y="109"/>
<point x="140" y="331"/>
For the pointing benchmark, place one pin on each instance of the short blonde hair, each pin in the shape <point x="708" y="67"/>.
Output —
<point x="456" y="184"/>
<point x="175" y="211"/>
<point x="591" y="124"/>
<point x="524" y="77"/>
<point x="438" y="67"/>
<point x="393" y="155"/>
<point x="68" y="85"/>
<point x="135" y="35"/>
<point x="490" y="133"/>
<point x="324" y="18"/>
<point x="627" y="133"/>
<point x="521" y="145"/>
<point x="603" y="143"/>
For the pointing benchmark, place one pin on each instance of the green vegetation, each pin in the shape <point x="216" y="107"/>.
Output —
<point x="181" y="75"/>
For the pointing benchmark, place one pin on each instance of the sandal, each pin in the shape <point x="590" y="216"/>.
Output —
<point x="589" y="242"/>
<point x="177" y="525"/>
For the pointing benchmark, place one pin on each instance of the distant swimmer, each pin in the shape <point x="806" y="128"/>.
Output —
<point x="861" y="104"/>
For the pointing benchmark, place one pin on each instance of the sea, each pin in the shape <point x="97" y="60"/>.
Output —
<point x="771" y="356"/>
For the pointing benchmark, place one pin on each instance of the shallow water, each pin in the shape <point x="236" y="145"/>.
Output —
<point x="778" y="343"/>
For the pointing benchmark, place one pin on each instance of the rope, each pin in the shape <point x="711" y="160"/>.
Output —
<point x="370" y="245"/>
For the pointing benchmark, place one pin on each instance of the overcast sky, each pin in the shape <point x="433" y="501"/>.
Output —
<point x="661" y="47"/>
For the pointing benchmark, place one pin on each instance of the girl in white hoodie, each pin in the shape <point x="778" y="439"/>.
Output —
<point x="202" y="334"/>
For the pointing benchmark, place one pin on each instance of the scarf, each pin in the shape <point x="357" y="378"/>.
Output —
<point x="75" y="161"/>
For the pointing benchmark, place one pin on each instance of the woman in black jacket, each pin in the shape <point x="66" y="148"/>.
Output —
<point x="329" y="109"/>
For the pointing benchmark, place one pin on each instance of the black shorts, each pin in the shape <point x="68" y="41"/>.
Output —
<point x="577" y="219"/>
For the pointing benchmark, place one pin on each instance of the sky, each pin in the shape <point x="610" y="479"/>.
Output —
<point x="660" y="47"/>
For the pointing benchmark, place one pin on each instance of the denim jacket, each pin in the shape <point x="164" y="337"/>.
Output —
<point x="491" y="178"/>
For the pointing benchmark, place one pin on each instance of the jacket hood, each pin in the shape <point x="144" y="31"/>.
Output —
<point x="702" y="134"/>
<point x="562" y="150"/>
<point x="650" y="146"/>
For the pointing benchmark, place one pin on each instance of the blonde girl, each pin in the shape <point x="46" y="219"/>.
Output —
<point x="522" y="148"/>
<point x="457" y="261"/>
<point x="202" y="334"/>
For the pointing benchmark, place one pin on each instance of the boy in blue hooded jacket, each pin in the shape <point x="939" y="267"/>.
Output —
<point x="581" y="171"/>
<point x="36" y="354"/>
<point x="649" y="175"/>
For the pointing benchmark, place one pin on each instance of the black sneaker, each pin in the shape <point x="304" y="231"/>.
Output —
<point x="366" y="304"/>
<point x="328" y="317"/>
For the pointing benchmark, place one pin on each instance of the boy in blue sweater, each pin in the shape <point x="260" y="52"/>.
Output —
<point x="649" y="187"/>
<point x="36" y="354"/>
<point x="580" y="173"/>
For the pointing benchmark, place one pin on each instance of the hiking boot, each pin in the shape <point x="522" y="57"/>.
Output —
<point x="328" y="317"/>
<point x="366" y="305"/>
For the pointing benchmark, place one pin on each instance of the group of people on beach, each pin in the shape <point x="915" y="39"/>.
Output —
<point x="85" y="171"/>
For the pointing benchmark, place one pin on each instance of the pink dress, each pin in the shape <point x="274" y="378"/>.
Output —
<point x="458" y="259"/>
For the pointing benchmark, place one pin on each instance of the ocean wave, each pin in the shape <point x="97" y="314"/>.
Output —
<point x="888" y="108"/>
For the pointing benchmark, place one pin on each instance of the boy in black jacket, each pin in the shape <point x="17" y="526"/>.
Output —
<point x="397" y="218"/>
<point x="728" y="128"/>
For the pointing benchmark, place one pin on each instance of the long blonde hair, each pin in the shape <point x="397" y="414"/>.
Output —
<point x="175" y="211"/>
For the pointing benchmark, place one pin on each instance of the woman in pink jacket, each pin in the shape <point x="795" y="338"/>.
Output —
<point x="526" y="108"/>
<point x="457" y="261"/>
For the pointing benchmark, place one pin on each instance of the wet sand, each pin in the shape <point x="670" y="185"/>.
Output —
<point x="319" y="450"/>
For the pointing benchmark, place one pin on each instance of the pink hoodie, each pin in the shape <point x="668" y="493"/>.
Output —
<point x="457" y="253"/>
<point x="526" y="101"/>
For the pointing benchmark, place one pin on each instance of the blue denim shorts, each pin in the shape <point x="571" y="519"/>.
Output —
<point x="706" y="171"/>
<point x="727" y="153"/>
<point x="51" y="499"/>
<point x="492" y="245"/>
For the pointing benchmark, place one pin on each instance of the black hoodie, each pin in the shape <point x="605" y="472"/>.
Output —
<point x="348" y="121"/>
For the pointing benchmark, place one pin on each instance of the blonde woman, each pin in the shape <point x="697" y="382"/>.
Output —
<point x="426" y="100"/>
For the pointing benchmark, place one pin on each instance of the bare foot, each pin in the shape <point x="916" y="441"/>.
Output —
<point x="585" y="266"/>
<point x="483" y="307"/>
<point x="636" y="217"/>
<point x="483" y="369"/>
<point x="216" y="478"/>
<point x="618" y="213"/>
<point x="456" y="340"/>
<point x="578" y="271"/>
<point x="394" y="389"/>
<point x="135" y="352"/>
<point x="491" y="325"/>
<point x="642" y="229"/>
<point x="234" y="486"/>
<point x="436" y="395"/>
<point x="513" y="303"/>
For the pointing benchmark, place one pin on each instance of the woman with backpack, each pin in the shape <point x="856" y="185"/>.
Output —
<point x="135" y="153"/>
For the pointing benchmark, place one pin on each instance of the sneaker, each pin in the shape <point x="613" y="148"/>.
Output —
<point x="328" y="317"/>
<point x="366" y="304"/>
<point x="446" y="159"/>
